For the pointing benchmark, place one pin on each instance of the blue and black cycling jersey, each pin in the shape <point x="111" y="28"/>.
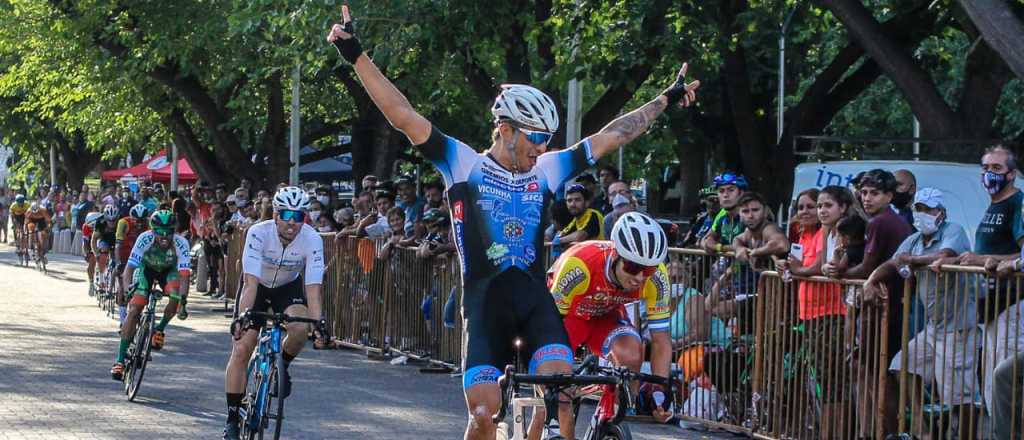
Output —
<point x="499" y="216"/>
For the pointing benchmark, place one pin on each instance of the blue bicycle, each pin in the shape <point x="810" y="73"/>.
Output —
<point x="263" y="403"/>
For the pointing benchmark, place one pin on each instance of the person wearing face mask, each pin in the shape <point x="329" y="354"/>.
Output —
<point x="318" y="218"/>
<point x="323" y="195"/>
<point x="944" y="350"/>
<point x="997" y="245"/>
<point x="621" y="204"/>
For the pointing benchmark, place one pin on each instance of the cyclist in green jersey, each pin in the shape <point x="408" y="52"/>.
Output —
<point x="159" y="256"/>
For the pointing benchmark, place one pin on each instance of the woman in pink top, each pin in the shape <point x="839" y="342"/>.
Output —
<point x="819" y="305"/>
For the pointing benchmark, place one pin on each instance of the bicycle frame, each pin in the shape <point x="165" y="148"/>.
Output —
<point x="263" y="358"/>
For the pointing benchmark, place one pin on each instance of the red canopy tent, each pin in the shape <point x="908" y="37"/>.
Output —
<point x="185" y="173"/>
<point x="157" y="168"/>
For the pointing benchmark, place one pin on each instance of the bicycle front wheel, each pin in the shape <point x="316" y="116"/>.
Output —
<point x="143" y="347"/>
<point x="276" y="400"/>
<point x="609" y="432"/>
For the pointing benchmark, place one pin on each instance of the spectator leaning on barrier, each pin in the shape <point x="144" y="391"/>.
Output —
<point x="997" y="242"/>
<point x="407" y="200"/>
<point x="944" y="351"/>
<point x="396" y="230"/>
<point x="586" y="223"/>
<point x="726" y="224"/>
<point x="906" y="187"/>
<point x="376" y="226"/>
<point x="344" y="218"/>
<point x="437" y="241"/>
<point x="318" y="217"/>
<point x="762" y="239"/>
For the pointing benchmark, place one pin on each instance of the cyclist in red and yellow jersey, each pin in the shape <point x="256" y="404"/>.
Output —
<point x="128" y="230"/>
<point x="593" y="280"/>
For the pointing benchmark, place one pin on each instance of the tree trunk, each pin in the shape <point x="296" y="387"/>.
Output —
<point x="1003" y="30"/>
<point x="937" y="118"/>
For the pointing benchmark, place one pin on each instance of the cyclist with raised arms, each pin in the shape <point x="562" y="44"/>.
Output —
<point x="283" y="267"/>
<point x="591" y="283"/>
<point x="498" y="200"/>
<point x="159" y="257"/>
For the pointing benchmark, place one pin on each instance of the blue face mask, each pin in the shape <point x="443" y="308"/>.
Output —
<point x="994" y="182"/>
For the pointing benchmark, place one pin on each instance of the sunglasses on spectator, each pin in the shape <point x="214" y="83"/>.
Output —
<point x="289" y="215"/>
<point x="635" y="269"/>
<point x="537" y="137"/>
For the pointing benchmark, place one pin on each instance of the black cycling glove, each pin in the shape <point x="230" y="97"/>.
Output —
<point x="676" y="91"/>
<point x="349" y="49"/>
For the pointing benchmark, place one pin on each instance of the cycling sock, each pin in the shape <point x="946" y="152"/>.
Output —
<point x="163" y="322"/>
<point x="122" y="350"/>
<point x="234" y="401"/>
<point x="288" y="358"/>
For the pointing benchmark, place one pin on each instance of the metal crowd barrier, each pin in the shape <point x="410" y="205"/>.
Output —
<point x="761" y="353"/>
<point x="957" y="355"/>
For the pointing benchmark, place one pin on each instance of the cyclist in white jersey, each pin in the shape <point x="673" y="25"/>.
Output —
<point x="498" y="202"/>
<point x="283" y="267"/>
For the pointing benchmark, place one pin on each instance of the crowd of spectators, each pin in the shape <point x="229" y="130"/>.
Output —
<point x="883" y="229"/>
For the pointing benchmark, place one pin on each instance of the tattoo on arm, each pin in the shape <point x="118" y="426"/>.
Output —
<point x="631" y="125"/>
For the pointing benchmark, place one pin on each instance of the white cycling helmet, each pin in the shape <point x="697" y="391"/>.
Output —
<point x="640" y="239"/>
<point x="291" y="198"/>
<point x="92" y="217"/>
<point x="526" y="106"/>
<point x="110" y="212"/>
<point x="33" y="207"/>
<point x="138" y="211"/>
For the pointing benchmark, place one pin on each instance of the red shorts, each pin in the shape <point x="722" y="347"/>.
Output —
<point x="599" y="332"/>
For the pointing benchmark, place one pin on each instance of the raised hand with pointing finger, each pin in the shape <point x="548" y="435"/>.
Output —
<point x="343" y="36"/>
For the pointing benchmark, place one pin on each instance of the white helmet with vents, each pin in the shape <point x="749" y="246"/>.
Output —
<point x="640" y="239"/>
<point x="527" y="107"/>
<point x="291" y="198"/>
<point x="110" y="212"/>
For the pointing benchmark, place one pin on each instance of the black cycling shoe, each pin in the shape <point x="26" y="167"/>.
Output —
<point x="286" y="384"/>
<point x="231" y="431"/>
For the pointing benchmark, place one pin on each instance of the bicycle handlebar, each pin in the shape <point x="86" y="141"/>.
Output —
<point x="510" y="379"/>
<point x="278" y="317"/>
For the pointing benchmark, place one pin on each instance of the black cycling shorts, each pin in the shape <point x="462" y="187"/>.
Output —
<point x="278" y="299"/>
<point x="496" y="311"/>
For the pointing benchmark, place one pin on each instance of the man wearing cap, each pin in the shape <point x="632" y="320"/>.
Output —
<point x="945" y="351"/>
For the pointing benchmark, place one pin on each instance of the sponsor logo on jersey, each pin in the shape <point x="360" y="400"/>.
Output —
<point x="532" y="197"/>
<point x="496" y="251"/>
<point x="533" y="187"/>
<point x="457" y="212"/>
<point x="570" y="280"/>
<point x="660" y="281"/>
<point x="491" y="191"/>
<point x="513" y="229"/>
<point x="529" y="253"/>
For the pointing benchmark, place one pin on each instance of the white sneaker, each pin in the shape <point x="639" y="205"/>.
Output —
<point x="401" y="360"/>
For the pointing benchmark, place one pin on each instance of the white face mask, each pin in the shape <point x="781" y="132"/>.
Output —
<point x="241" y="203"/>
<point x="314" y="215"/>
<point x="324" y="200"/>
<point x="620" y="200"/>
<point x="926" y="223"/>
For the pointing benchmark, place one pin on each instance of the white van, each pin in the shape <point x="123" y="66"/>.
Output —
<point x="965" y="198"/>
